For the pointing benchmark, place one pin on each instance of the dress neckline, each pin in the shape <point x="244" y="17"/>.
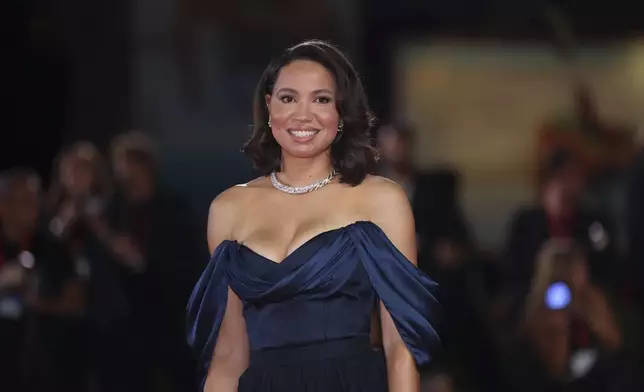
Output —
<point x="308" y="242"/>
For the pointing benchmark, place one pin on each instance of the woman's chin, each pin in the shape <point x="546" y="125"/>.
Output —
<point x="304" y="151"/>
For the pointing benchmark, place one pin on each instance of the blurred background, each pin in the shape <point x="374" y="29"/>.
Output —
<point x="517" y="128"/>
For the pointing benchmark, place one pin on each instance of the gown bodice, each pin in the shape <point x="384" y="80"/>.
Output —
<point x="326" y="289"/>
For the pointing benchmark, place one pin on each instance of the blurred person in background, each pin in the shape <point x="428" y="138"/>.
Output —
<point x="40" y="294"/>
<point x="80" y="185"/>
<point x="443" y="236"/>
<point x="151" y="238"/>
<point x="446" y="252"/>
<point x="76" y="199"/>
<point x="569" y="336"/>
<point x="559" y="214"/>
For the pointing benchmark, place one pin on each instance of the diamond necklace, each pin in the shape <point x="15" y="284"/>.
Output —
<point x="298" y="190"/>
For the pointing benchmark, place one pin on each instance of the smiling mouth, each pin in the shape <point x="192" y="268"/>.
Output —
<point x="303" y="133"/>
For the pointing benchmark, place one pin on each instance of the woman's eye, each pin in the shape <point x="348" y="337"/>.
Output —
<point x="323" y="100"/>
<point x="287" y="98"/>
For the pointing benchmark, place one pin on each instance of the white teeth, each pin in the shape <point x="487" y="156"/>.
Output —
<point x="298" y="133"/>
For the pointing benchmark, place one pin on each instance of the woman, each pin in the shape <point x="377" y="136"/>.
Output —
<point x="302" y="255"/>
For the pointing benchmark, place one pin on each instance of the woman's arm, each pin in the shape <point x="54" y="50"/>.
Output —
<point x="230" y="357"/>
<point x="594" y="308"/>
<point x="401" y="369"/>
<point x="389" y="209"/>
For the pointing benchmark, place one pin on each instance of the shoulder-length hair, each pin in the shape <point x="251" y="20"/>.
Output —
<point x="352" y="153"/>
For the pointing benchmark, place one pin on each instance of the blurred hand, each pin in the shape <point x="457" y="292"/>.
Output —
<point x="127" y="252"/>
<point x="101" y="229"/>
<point x="550" y="336"/>
<point x="12" y="276"/>
<point x="592" y="306"/>
<point x="94" y="207"/>
<point x="68" y="212"/>
<point x="67" y="215"/>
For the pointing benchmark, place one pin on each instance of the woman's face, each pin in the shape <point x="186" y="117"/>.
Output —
<point x="76" y="176"/>
<point x="302" y="108"/>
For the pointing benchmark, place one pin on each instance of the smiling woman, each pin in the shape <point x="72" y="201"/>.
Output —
<point x="312" y="92"/>
<point x="303" y="117"/>
<point x="316" y="259"/>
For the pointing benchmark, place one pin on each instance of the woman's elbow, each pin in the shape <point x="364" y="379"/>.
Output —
<point x="225" y="370"/>
<point x="398" y="357"/>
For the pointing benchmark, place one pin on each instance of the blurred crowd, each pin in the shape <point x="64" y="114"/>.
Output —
<point x="559" y="309"/>
<point x="96" y="269"/>
<point x="95" y="272"/>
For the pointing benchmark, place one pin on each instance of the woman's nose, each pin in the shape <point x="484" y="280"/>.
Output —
<point x="303" y="111"/>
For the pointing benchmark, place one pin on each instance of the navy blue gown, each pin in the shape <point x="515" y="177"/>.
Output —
<point x="308" y="318"/>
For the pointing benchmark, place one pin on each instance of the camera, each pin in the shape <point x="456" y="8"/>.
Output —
<point x="562" y="270"/>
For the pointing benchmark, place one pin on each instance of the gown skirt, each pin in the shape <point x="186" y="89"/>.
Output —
<point x="342" y="365"/>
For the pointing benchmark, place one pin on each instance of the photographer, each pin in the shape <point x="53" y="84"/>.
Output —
<point x="570" y="339"/>
<point x="561" y="215"/>
<point x="39" y="292"/>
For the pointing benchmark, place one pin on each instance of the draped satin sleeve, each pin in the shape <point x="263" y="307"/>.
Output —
<point x="407" y="293"/>
<point x="206" y="308"/>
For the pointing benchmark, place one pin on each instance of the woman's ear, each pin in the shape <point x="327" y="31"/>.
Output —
<point x="267" y="99"/>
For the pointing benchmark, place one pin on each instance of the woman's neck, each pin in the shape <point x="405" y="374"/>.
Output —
<point x="304" y="171"/>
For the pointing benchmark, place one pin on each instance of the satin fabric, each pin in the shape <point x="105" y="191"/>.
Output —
<point x="324" y="290"/>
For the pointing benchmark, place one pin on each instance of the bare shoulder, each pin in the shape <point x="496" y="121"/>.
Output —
<point x="238" y="194"/>
<point x="384" y="200"/>
<point x="387" y="205"/>
<point x="382" y="190"/>
<point x="259" y="182"/>
<point x="225" y="210"/>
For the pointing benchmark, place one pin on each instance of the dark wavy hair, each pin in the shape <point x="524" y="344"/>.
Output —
<point x="352" y="153"/>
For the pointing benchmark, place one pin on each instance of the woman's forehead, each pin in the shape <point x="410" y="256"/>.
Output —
<point x="304" y="76"/>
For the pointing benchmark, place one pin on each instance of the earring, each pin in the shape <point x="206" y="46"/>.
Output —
<point x="340" y="126"/>
<point x="269" y="121"/>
